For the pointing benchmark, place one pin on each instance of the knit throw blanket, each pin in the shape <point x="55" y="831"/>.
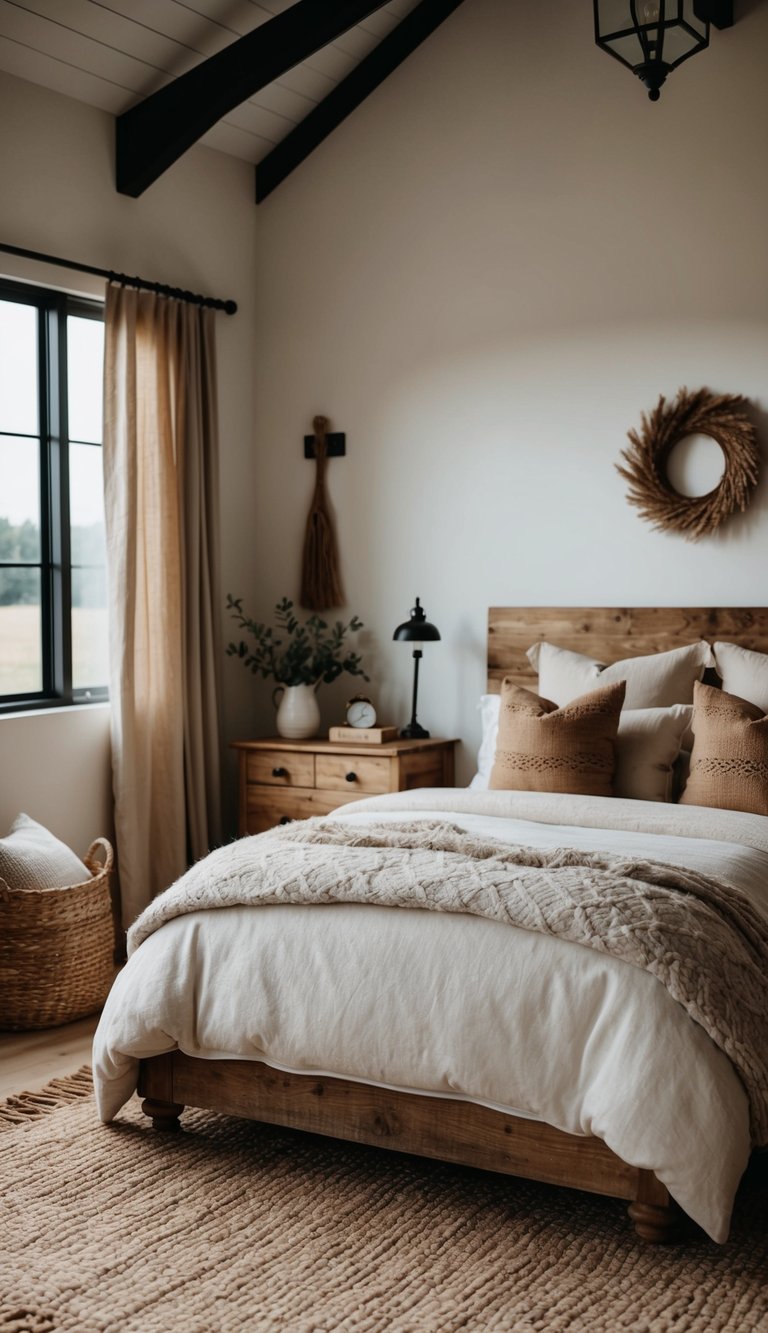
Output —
<point x="702" y="939"/>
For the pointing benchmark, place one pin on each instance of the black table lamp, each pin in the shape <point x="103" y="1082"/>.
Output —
<point x="417" y="631"/>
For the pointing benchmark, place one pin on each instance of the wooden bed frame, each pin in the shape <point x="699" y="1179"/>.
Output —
<point x="453" y="1130"/>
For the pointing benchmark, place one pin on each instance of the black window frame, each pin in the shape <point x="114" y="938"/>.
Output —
<point x="55" y="563"/>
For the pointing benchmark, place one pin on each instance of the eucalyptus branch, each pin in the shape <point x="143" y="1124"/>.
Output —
<point x="296" y="652"/>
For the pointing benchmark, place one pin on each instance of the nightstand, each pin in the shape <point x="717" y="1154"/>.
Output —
<point x="283" y="780"/>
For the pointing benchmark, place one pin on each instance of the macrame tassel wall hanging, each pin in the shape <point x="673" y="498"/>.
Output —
<point x="321" y="585"/>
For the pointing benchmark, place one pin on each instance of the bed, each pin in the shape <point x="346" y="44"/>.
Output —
<point x="452" y="1035"/>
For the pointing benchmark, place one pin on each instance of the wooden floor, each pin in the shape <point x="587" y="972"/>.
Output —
<point x="29" y="1059"/>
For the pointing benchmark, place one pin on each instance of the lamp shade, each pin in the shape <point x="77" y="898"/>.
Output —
<point x="418" y="629"/>
<point x="650" y="37"/>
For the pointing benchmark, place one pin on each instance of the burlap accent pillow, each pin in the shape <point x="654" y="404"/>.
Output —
<point x="32" y="858"/>
<point x="654" y="681"/>
<point x="542" y="747"/>
<point x="729" y="762"/>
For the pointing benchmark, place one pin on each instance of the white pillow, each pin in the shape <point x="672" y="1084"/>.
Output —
<point x="743" y="673"/>
<point x="489" y="718"/>
<point x="33" y="858"/>
<point x="648" y="744"/>
<point x="656" y="681"/>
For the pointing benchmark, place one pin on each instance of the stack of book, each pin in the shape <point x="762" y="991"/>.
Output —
<point x="363" y="735"/>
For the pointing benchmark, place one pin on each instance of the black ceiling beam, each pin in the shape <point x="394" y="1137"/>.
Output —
<point x="349" y="93"/>
<point x="156" y="132"/>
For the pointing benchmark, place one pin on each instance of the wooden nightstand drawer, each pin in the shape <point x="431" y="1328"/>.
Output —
<point x="281" y="768"/>
<point x="353" y="772"/>
<point x="425" y="768"/>
<point x="282" y="780"/>
<point x="266" y="808"/>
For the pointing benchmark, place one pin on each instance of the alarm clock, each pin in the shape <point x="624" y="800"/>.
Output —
<point x="361" y="712"/>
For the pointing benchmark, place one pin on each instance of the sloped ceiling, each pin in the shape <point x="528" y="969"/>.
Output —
<point x="113" y="53"/>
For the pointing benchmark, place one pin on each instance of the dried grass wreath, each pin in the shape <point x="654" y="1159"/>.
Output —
<point x="645" y="462"/>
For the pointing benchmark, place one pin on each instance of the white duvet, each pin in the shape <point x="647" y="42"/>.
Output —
<point x="460" y="1006"/>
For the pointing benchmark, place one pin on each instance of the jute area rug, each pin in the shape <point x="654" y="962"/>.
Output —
<point x="239" y="1226"/>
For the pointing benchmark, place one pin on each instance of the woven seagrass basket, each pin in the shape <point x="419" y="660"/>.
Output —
<point x="57" y="948"/>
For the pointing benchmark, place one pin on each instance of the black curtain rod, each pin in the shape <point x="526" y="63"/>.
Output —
<point x="211" y="302"/>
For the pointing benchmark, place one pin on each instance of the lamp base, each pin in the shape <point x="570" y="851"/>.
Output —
<point x="414" y="732"/>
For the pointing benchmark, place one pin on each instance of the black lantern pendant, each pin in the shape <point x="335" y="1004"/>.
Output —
<point x="651" y="37"/>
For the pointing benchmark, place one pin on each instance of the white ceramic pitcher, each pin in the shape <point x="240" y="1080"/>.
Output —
<point x="298" y="713"/>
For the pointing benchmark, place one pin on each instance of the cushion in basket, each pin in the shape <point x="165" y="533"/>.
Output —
<point x="729" y="761"/>
<point x="657" y="680"/>
<point x="32" y="858"/>
<point x="647" y="749"/>
<point x="545" y="748"/>
<point x="743" y="672"/>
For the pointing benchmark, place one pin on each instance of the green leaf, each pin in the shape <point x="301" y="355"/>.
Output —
<point x="300" y="653"/>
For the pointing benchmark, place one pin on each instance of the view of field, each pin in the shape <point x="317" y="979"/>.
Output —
<point x="20" y="653"/>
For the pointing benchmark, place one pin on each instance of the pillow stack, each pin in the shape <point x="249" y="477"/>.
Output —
<point x="575" y="736"/>
<point x="651" y="727"/>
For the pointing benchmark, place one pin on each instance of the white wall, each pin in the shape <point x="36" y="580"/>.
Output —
<point x="194" y="228"/>
<point x="55" y="766"/>
<point x="483" y="277"/>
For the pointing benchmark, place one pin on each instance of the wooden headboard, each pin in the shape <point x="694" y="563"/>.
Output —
<point x="610" y="633"/>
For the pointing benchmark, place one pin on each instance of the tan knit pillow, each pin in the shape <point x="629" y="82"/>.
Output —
<point x="545" y="748"/>
<point x="729" y="762"/>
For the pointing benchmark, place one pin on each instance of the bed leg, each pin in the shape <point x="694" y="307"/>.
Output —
<point x="164" y="1115"/>
<point x="653" y="1211"/>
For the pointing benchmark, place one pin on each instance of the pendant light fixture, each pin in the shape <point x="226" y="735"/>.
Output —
<point x="652" y="37"/>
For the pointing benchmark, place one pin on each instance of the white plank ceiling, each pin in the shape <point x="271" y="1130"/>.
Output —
<point x="113" y="53"/>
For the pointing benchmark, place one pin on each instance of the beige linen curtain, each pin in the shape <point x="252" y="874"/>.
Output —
<point x="161" y="494"/>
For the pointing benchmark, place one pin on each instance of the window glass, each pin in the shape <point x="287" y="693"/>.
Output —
<point x="90" y="663"/>
<point x="52" y="543"/>
<point x="86" y="505"/>
<point x="85" y="355"/>
<point x="19" y="500"/>
<point x="18" y="368"/>
<point x="21" y="668"/>
<point x="21" y="653"/>
<point x="89" y="574"/>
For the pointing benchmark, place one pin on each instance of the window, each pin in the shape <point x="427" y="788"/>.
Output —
<point x="53" y="601"/>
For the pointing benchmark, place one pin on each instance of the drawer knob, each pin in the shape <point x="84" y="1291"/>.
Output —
<point x="286" y="819"/>
<point x="351" y="777"/>
<point x="279" y="772"/>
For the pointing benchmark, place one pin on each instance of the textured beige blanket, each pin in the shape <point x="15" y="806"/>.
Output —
<point x="702" y="939"/>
